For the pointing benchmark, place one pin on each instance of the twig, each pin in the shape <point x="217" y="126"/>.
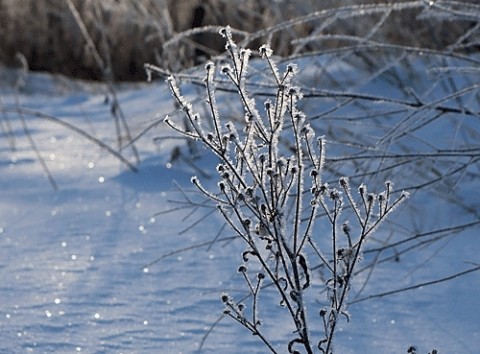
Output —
<point x="408" y="288"/>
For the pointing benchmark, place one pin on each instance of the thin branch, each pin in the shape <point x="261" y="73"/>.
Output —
<point x="416" y="286"/>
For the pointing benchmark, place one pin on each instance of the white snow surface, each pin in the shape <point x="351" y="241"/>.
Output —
<point x="72" y="260"/>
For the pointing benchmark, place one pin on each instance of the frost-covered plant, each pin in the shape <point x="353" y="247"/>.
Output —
<point x="275" y="200"/>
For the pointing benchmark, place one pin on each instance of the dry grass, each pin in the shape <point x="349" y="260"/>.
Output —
<point x="92" y="39"/>
<point x="48" y="35"/>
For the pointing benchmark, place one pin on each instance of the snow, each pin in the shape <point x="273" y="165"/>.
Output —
<point x="73" y="261"/>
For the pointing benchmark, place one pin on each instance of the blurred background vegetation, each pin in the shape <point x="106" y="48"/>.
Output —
<point x="113" y="39"/>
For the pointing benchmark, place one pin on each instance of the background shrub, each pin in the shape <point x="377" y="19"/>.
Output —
<point x="126" y="34"/>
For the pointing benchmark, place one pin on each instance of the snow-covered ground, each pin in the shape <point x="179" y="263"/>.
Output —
<point x="72" y="260"/>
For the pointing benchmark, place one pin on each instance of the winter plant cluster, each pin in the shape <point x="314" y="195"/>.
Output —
<point x="275" y="200"/>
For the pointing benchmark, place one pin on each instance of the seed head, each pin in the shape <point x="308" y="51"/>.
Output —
<point x="226" y="69"/>
<point x="209" y="66"/>
<point x="323" y="189"/>
<point x="265" y="51"/>
<point x="242" y="268"/>
<point x="362" y="189"/>
<point x="291" y="68"/>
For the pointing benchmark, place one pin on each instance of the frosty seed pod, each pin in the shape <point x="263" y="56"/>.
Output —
<point x="242" y="268"/>
<point x="261" y="230"/>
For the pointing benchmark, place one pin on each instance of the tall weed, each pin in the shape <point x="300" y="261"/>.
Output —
<point x="273" y="199"/>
